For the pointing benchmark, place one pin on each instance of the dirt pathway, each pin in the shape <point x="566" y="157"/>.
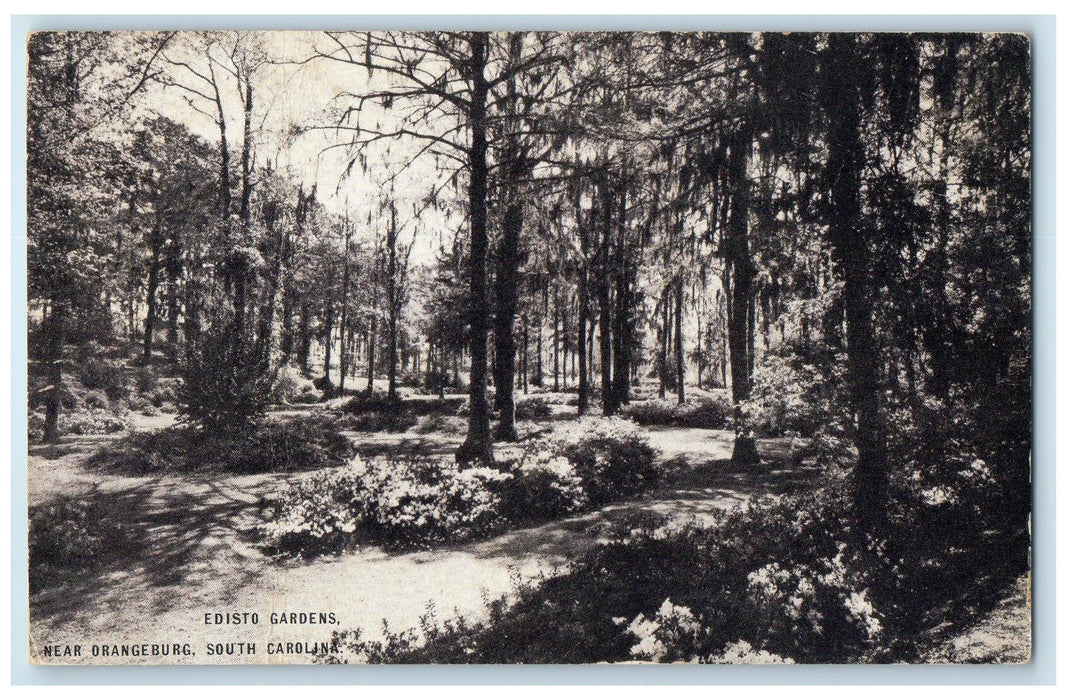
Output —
<point x="190" y="549"/>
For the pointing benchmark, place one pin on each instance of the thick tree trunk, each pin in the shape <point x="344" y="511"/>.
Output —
<point x="507" y="301"/>
<point x="583" y="368"/>
<point x="742" y="274"/>
<point x="478" y="445"/>
<point x="844" y="166"/>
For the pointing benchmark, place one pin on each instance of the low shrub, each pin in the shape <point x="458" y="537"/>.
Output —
<point x="316" y="515"/>
<point x="453" y="425"/>
<point x="325" y="385"/>
<point x="398" y="503"/>
<point x="291" y="386"/>
<point x="611" y="456"/>
<point x="303" y="443"/>
<point x="296" y="444"/>
<point x="96" y="371"/>
<point x="544" y="486"/>
<point x="532" y="408"/>
<point x="92" y="422"/>
<point x="702" y="412"/>
<point x="709" y="594"/>
<point x="78" y="421"/>
<point x="780" y="580"/>
<point x="68" y="534"/>
<point x="377" y="412"/>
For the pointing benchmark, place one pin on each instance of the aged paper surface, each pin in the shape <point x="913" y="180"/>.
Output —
<point x="528" y="347"/>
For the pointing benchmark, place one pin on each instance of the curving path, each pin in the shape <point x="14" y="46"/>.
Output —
<point x="188" y="549"/>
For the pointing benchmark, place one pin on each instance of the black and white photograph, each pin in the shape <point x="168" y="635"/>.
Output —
<point x="528" y="347"/>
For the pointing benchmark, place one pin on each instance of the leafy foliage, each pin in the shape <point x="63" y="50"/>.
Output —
<point x="224" y="386"/>
<point x="709" y="412"/>
<point x="611" y="456"/>
<point x="297" y="444"/>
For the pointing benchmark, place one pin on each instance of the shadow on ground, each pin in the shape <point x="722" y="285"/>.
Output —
<point x="180" y="534"/>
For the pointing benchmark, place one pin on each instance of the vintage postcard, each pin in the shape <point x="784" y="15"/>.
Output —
<point x="500" y="347"/>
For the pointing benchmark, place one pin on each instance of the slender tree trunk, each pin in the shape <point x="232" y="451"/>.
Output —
<point x="371" y="341"/>
<point x="623" y="293"/>
<point x="539" y="376"/>
<point x="679" y="345"/>
<point x="664" y="339"/>
<point x="174" y="273"/>
<point x="151" y="290"/>
<point x="305" y="337"/>
<point x="55" y="323"/>
<point x="345" y="321"/>
<point x="246" y="158"/>
<point x="700" y="350"/>
<point x="555" y="343"/>
<point x="604" y="302"/>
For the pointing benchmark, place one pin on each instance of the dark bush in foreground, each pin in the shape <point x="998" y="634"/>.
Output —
<point x="297" y="444"/>
<point x="543" y="486"/>
<point x="225" y="388"/>
<point x="68" y="534"/>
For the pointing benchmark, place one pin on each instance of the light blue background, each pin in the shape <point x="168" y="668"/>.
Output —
<point x="1042" y="669"/>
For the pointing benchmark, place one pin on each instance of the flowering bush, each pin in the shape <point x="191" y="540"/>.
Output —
<point x="611" y="456"/>
<point x="291" y="386"/>
<point x="316" y="515"/>
<point x="794" y="395"/>
<point x="813" y="608"/>
<point x="418" y="502"/>
<point x="399" y="503"/>
<point x="545" y="485"/>
<point x="84" y="421"/>
<point x="741" y="652"/>
<point x="671" y="634"/>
